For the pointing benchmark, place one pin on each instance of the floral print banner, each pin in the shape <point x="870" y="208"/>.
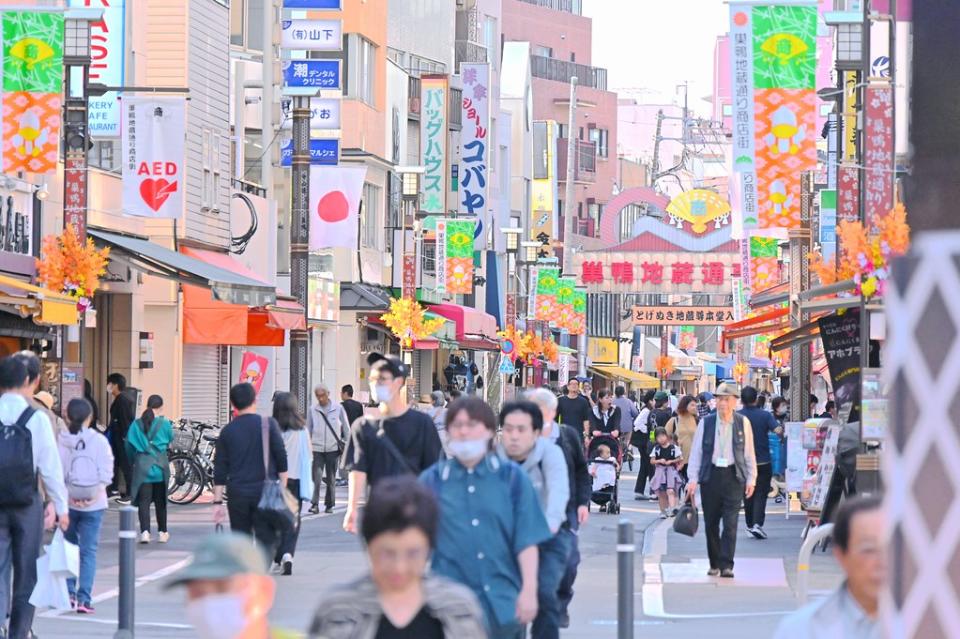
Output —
<point x="456" y="250"/>
<point x="547" y="284"/>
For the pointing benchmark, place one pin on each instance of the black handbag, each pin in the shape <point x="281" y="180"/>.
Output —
<point x="276" y="506"/>
<point x="687" y="520"/>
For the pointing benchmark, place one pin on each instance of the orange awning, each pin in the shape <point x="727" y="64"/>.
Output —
<point x="286" y="314"/>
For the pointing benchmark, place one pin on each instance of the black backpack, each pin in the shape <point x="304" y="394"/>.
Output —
<point x="18" y="479"/>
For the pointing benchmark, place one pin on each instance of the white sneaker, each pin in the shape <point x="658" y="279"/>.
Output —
<point x="145" y="537"/>
<point x="163" y="537"/>
<point x="286" y="563"/>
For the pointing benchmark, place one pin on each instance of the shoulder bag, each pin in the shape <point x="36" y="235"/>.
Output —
<point x="336" y="438"/>
<point x="276" y="505"/>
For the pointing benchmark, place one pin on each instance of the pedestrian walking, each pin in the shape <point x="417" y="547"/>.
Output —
<point x="88" y="395"/>
<point x="851" y="611"/>
<point x="44" y="401"/>
<point x="353" y="407"/>
<point x="398" y="441"/>
<point x="763" y="424"/>
<point x="674" y="400"/>
<point x="707" y="404"/>
<point x="399" y="599"/>
<point x="296" y="443"/>
<point x="229" y="593"/>
<point x="723" y="460"/>
<point x="521" y="427"/>
<point x="643" y="427"/>
<point x="329" y="428"/>
<point x="666" y="458"/>
<point x="567" y="439"/>
<point x="573" y="409"/>
<point x="490" y="521"/>
<point x="87" y="470"/>
<point x="778" y="445"/>
<point x="148" y="439"/>
<point x="249" y="452"/>
<point x="628" y="410"/>
<point x="683" y="426"/>
<point x="438" y="413"/>
<point x="122" y="414"/>
<point x="605" y="417"/>
<point x="27" y="450"/>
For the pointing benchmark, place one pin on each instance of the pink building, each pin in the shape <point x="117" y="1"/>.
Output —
<point x="561" y="41"/>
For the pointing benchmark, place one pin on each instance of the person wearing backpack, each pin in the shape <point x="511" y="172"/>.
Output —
<point x="147" y="441"/>
<point x="27" y="450"/>
<point x="87" y="470"/>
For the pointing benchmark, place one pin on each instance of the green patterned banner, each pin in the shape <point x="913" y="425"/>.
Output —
<point x="785" y="47"/>
<point x="547" y="284"/>
<point x="33" y="51"/>
<point x="764" y="246"/>
<point x="459" y="252"/>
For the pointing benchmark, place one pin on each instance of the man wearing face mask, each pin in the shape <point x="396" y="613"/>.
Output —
<point x="229" y="593"/>
<point x="398" y="441"/>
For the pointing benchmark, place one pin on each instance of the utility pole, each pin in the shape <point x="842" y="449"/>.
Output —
<point x="299" y="245"/>
<point x="572" y="161"/>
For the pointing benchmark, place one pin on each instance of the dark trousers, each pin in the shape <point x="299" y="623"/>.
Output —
<point x="721" y="497"/>
<point x="121" y="465"/>
<point x="755" y="507"/>
<point x="288" y="541"/>
<point x="155" y="493"/>
<point x="646" y="468"/>
<point x="325" y="466"/>
<point x="565" y="590"/>
<point x="553" y="566"/>
<point x="244" y="519"/>
<point x="21" y="534"/>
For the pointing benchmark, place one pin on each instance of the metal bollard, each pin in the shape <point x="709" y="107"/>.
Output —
<point x="128" y="573"/>
<point x="814" y="537"/>
<point x="625" y="551"/>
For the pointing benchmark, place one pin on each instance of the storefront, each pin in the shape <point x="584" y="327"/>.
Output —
<point x="469" y="366"/>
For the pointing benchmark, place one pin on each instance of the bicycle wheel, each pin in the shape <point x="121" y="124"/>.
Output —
<point x="187" y="480"/>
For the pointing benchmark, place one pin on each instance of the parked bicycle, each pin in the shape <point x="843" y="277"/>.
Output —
<point x="191" y="461"/>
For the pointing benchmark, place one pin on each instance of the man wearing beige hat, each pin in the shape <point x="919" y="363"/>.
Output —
<point x="723" y="462"/>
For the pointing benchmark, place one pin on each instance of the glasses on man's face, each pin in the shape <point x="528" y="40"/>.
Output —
<point x="401" y="556"/>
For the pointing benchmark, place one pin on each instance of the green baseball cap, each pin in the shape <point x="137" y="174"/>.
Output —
<point x="222" y="556"/>
<point x="660" y="396"/>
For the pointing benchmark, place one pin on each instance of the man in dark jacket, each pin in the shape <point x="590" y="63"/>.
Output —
<point x="353" y="408"/>
<point x="122" y="414"/>
<point x="578" y="510"/>
<point x="763" y="423"/>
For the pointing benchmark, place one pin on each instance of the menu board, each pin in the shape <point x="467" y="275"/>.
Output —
<point x="826" y="468"/>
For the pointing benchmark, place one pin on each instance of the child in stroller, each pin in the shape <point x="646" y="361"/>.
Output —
<point x="604" y="453"/>
<point x="666" y="458"/>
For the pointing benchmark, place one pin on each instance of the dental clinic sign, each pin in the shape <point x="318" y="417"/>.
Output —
<point x="106" y="64"/>
<point x="312" y="35"/>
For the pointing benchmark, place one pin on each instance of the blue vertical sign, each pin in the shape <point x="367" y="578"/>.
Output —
<point x="323" y="152"/>
<point x="107" y="54"/>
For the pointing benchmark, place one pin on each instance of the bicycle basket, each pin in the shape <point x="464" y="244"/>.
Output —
<point x="184" y="439"/>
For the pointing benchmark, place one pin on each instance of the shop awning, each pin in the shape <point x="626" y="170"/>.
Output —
<point x="770" y="322"/>
<point x="226" y="284"/>
<point x="768" y="297"/>
<point x="357" y="296"/>
<point x="638" y="380"/>
<point x="286" y="315"/>
<point x="476" y="330"/>
<point x="44" y="305"/>
<point x="806" y="333"/>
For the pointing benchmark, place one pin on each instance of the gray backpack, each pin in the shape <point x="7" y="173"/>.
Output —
<point x="83" y="476"/>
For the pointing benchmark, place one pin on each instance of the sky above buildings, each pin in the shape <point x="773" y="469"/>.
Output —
<point x="658" y="44"/>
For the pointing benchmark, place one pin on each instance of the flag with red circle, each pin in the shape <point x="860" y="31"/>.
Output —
<point x="335" y="193"/>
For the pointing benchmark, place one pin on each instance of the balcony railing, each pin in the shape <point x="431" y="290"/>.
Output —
<point x="467" y="51"/>
<point x="562" y="71"/>
<point x="570" y="6"/>
<point x="586" y="169"/>
<point x="413" y="100"/>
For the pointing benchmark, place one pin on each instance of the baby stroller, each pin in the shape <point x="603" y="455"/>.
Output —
<point x="608" y="499"/>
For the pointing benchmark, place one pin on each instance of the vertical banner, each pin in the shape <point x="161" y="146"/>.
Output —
<point x="543" y="189"/>
<point x="532" y="293"/>
<point x="458" y="254"/>
<point x="578" y="325"/>
<point x="474" y="140"/>
<point x="546" y="288"/>
<point x="32" y="90"/>
<point x="153" y="156"/>
<point x="743" y="151"/>
<point x="828" y="222"/>
<point x="778" y="43"/>
<point x="848" y="193"/>
<point x="440" y="255"/>
<point x="763" y="263"/>
<point x="107" y="46"/>
<point x="563" y="306"/>
<point x="841" y="346"/>
<point x="433" y="144"/>
<point x="253" y="369"/>
<point x="878" y="144"/>
<point x="335" y="194"/>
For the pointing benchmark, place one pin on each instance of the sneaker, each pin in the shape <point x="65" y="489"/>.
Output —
<point x="639" y="497"/>
<point x="163" y="537"/>
<point x="674" y="511"/>
<point x="314" y="509"/>
<point x="287" y="564"/>
<point x="713" y="572"/>
<point x="123" y="501"/>
<point x="759" y="533"/>
<point x="727" y="573"/>
<point x="663" y="514"/>
<point x="85" y="609"/>
<point x="145" y="537"/>
<point x="73" y="604"/>
<point x="328" y="509"/>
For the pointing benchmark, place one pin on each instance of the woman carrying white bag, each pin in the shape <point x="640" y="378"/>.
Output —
<point x="87" y="471"/>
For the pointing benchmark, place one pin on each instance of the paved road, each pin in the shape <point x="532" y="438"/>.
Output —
<point x="673" y="594"/>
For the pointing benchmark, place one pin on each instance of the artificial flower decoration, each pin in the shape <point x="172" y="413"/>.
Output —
<point x="529" y="347"/>
<point x="664" y="364"/>
<point x="865" y="258"/>
<point x="407" y="321"/>
<point x="740" y="371"/>
<point x="71" y="266"/>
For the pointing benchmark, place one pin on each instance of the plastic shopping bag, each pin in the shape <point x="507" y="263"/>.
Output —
<point x="60" y="560"/>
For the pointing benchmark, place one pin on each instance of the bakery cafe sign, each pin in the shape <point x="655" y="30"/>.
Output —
<point x="657" y="272"/>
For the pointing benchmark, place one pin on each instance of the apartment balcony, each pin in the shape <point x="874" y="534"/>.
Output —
<point x="562" y="70"/>
<point x="467" y="51"/>
<point x="569" y="6"/>
<point x="586" y="169"/>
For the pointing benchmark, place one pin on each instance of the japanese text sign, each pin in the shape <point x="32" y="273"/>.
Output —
<point x="878" y="155"/>
<point x="683" y="315"/>
<point x="319" y="74"/>
<point x="474" y="139"/>
<point x="324" y="114"/>
<point x="153" y="156"/>
<point x="433" y="144"/>
<point x="848" y="193"/>
<point x="455" y="250"/>
<point x="312" y="35"/>
<point x="107" y="52"/>
<point x="664" y="272"/>
<point x="75" y="193"/>
<point x="324" y="152"/>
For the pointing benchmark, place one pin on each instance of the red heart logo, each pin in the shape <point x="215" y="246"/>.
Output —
<point x="156" y="192"/>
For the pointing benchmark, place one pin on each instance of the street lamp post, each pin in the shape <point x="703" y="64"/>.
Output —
<point x="512" y="235"/>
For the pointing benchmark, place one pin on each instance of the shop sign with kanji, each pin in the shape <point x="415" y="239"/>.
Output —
<point x="665" y="273"/>
<point x="685" y="315"/>
<point x="474" y="139"/>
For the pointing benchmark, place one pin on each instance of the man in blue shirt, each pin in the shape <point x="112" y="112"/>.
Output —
<point x="490" y="521"/>
<point x="763" y="423"/>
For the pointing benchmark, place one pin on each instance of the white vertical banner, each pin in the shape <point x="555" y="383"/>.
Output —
<point x="153" y="156"/>
<point x="532" y="299"/>
<point x="475" y="143"/>
<point x="107" y="52"/>
<point x="563" y="371"/>
<point x="441" y="255"/>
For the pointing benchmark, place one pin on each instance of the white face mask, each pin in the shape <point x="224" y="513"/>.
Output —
<point x="382" y="393"/>
<point x="468" y="451"/>
<point x="217" y="616"/>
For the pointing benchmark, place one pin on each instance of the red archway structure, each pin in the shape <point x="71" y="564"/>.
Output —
<point x="611" y="212"/>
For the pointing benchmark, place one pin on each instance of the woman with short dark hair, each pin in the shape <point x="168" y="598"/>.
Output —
<point x="398" y="599"/>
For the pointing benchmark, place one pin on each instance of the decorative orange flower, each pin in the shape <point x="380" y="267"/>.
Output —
<point x="664" y="365"/>
<point x="407" y="321"/>
<point x="71" y="266"/>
